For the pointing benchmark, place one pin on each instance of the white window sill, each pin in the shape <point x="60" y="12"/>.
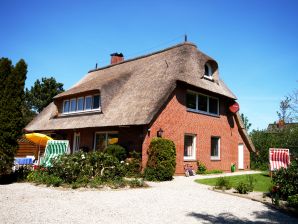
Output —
<point x="215" y="158"/>
<point x="202" y="112"/>
<point x="81" y="112"/>
<point x="208" y="77"/>
<point x="189" y="159"/>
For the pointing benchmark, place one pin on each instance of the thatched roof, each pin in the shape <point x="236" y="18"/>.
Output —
<point x="133" y="91"/>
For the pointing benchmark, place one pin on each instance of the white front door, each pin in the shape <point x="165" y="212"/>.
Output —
<point x="240" y="157"/>
<point x="76" y="142"/>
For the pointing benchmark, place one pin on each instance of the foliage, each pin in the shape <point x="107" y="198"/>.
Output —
<point x="263" y="140"/>
<point x="260" y="182"/>
<point x="223" y="183"/>
<point x="42" y="93"/>
<point x="116" y="150"/>
<point x="161" y="162"/>
<point x="246" y="123"/>
<point x="136" y="183"/>
<point x="284" y="113"/>
<point x="242" y="188"/>
<point x="74" y="167"/>
<point x="286" y="180"/>
<point x="133" y="165"/>
<point x="294" y="104"/>
<point x="12" y="81"/>
<point x="201" y="168"/>
<point x="94" y="169"/>
<point x="293" y="201"/>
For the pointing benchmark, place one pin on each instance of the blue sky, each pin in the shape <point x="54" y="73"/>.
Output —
<point x="254" y="42"/>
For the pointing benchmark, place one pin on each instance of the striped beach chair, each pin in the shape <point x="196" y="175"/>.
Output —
<point x="53" y="149"/>
<point x="279" y="158"/>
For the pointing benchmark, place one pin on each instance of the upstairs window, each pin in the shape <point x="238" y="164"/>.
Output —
<point x="73" y="105"/>
<point x="208" y="71"/>
<point x="88" y="102"/>
<point x="81" y="104"/>
<point x="197" y="102"/>
<point x="66" y="106"/>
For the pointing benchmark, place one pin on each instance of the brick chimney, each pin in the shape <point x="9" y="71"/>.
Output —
<point x="116" y="58"/>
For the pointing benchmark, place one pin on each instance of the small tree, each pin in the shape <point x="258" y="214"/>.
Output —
<point x="161" y="162"/>
<point x="246" y="123"/>
<point x="284" y="112"/>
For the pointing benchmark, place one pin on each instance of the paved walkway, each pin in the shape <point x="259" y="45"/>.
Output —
<point x="178" y="201"/>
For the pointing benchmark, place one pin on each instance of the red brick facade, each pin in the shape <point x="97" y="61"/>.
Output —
<point x="176" y="121"/>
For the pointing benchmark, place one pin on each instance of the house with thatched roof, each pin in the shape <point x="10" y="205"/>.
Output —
<point x="175" y="93"/>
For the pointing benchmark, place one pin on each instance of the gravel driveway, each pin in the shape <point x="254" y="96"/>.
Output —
<point x="178" y="201"/>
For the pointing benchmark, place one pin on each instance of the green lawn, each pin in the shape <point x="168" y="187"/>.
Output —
<point x="262" y="181"/>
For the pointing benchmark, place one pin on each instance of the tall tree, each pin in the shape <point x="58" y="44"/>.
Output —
<point x="42" y="93"/>
<point x="284" y="112"/>
<point x="246" y="123"/>
<point x="12" y="82"/>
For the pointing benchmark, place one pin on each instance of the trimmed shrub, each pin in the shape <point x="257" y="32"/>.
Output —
<point x="286" y="180"/>
<point x="223" y="184"/>
<point x="201" y="168"/>
<point x="117" y="151"/>
<point x="161" y="160"/>
<point x="242" y="188"/>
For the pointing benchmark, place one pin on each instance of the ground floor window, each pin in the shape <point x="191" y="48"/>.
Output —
<point x="189" y="147"/>
<point x="76" y="142"/>
<point x="103" y="139"/>
<point x="215" y="148"/>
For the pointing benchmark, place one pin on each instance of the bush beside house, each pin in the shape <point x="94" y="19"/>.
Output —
<point x="93" y="169"/>
<point x="161" y="162"/>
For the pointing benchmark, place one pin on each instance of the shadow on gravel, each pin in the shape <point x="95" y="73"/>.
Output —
<point x="260" y="217"/>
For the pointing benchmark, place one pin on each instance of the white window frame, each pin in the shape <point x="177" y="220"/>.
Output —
<point x="197" y="104"/>
<point x="210" y="72"/>
<point x="78" y="104"/>
<point x="63" y="107"/>
<point x="218" y="156"/>
<point x="90" y="96"/>
<point x="194" y="147"/>
<point x="106" y="136"/>
<point x="70" y="105"/>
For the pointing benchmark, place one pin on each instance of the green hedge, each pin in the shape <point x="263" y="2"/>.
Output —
<point x="161" y="162"/>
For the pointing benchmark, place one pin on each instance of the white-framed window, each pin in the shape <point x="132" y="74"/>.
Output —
<point x="208" y="71"/>
<point x="103" y="139"/>
<point x="73" y="105"/>
<point x="215" y="148"/>
<point x="65" y="106"/>
<point x="189" y="147"/>
<point x="88" y="102"/>
<point x="197" y="102"/>
<point x="80" y="104"/>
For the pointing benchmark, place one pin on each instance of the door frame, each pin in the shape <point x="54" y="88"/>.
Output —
<point x="75" y="147"/>
<point x="240" y="158"/>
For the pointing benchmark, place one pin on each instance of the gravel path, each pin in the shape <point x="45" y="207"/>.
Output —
<point x="178" y="201"/>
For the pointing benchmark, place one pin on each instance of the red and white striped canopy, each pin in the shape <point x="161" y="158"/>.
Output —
<point x="278" y="158"/>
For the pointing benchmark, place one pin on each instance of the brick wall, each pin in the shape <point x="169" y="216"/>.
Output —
<point x="176" y="122"/>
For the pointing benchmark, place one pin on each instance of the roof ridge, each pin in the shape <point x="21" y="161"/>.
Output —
<point x="144" y="56"/>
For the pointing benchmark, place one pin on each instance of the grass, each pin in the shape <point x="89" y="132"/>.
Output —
<point x="262" y="181"/>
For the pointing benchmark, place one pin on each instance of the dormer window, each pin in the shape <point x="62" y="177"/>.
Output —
<point x="208" y="71"/>
<point x="81" y="104"/>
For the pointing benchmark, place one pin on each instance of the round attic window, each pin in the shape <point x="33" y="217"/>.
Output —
<point x="208" y="70"/>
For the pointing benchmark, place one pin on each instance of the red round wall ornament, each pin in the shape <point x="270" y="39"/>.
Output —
<point x="234" y="108"/>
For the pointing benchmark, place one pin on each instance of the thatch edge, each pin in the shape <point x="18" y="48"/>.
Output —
<point x="244" y="133"/>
